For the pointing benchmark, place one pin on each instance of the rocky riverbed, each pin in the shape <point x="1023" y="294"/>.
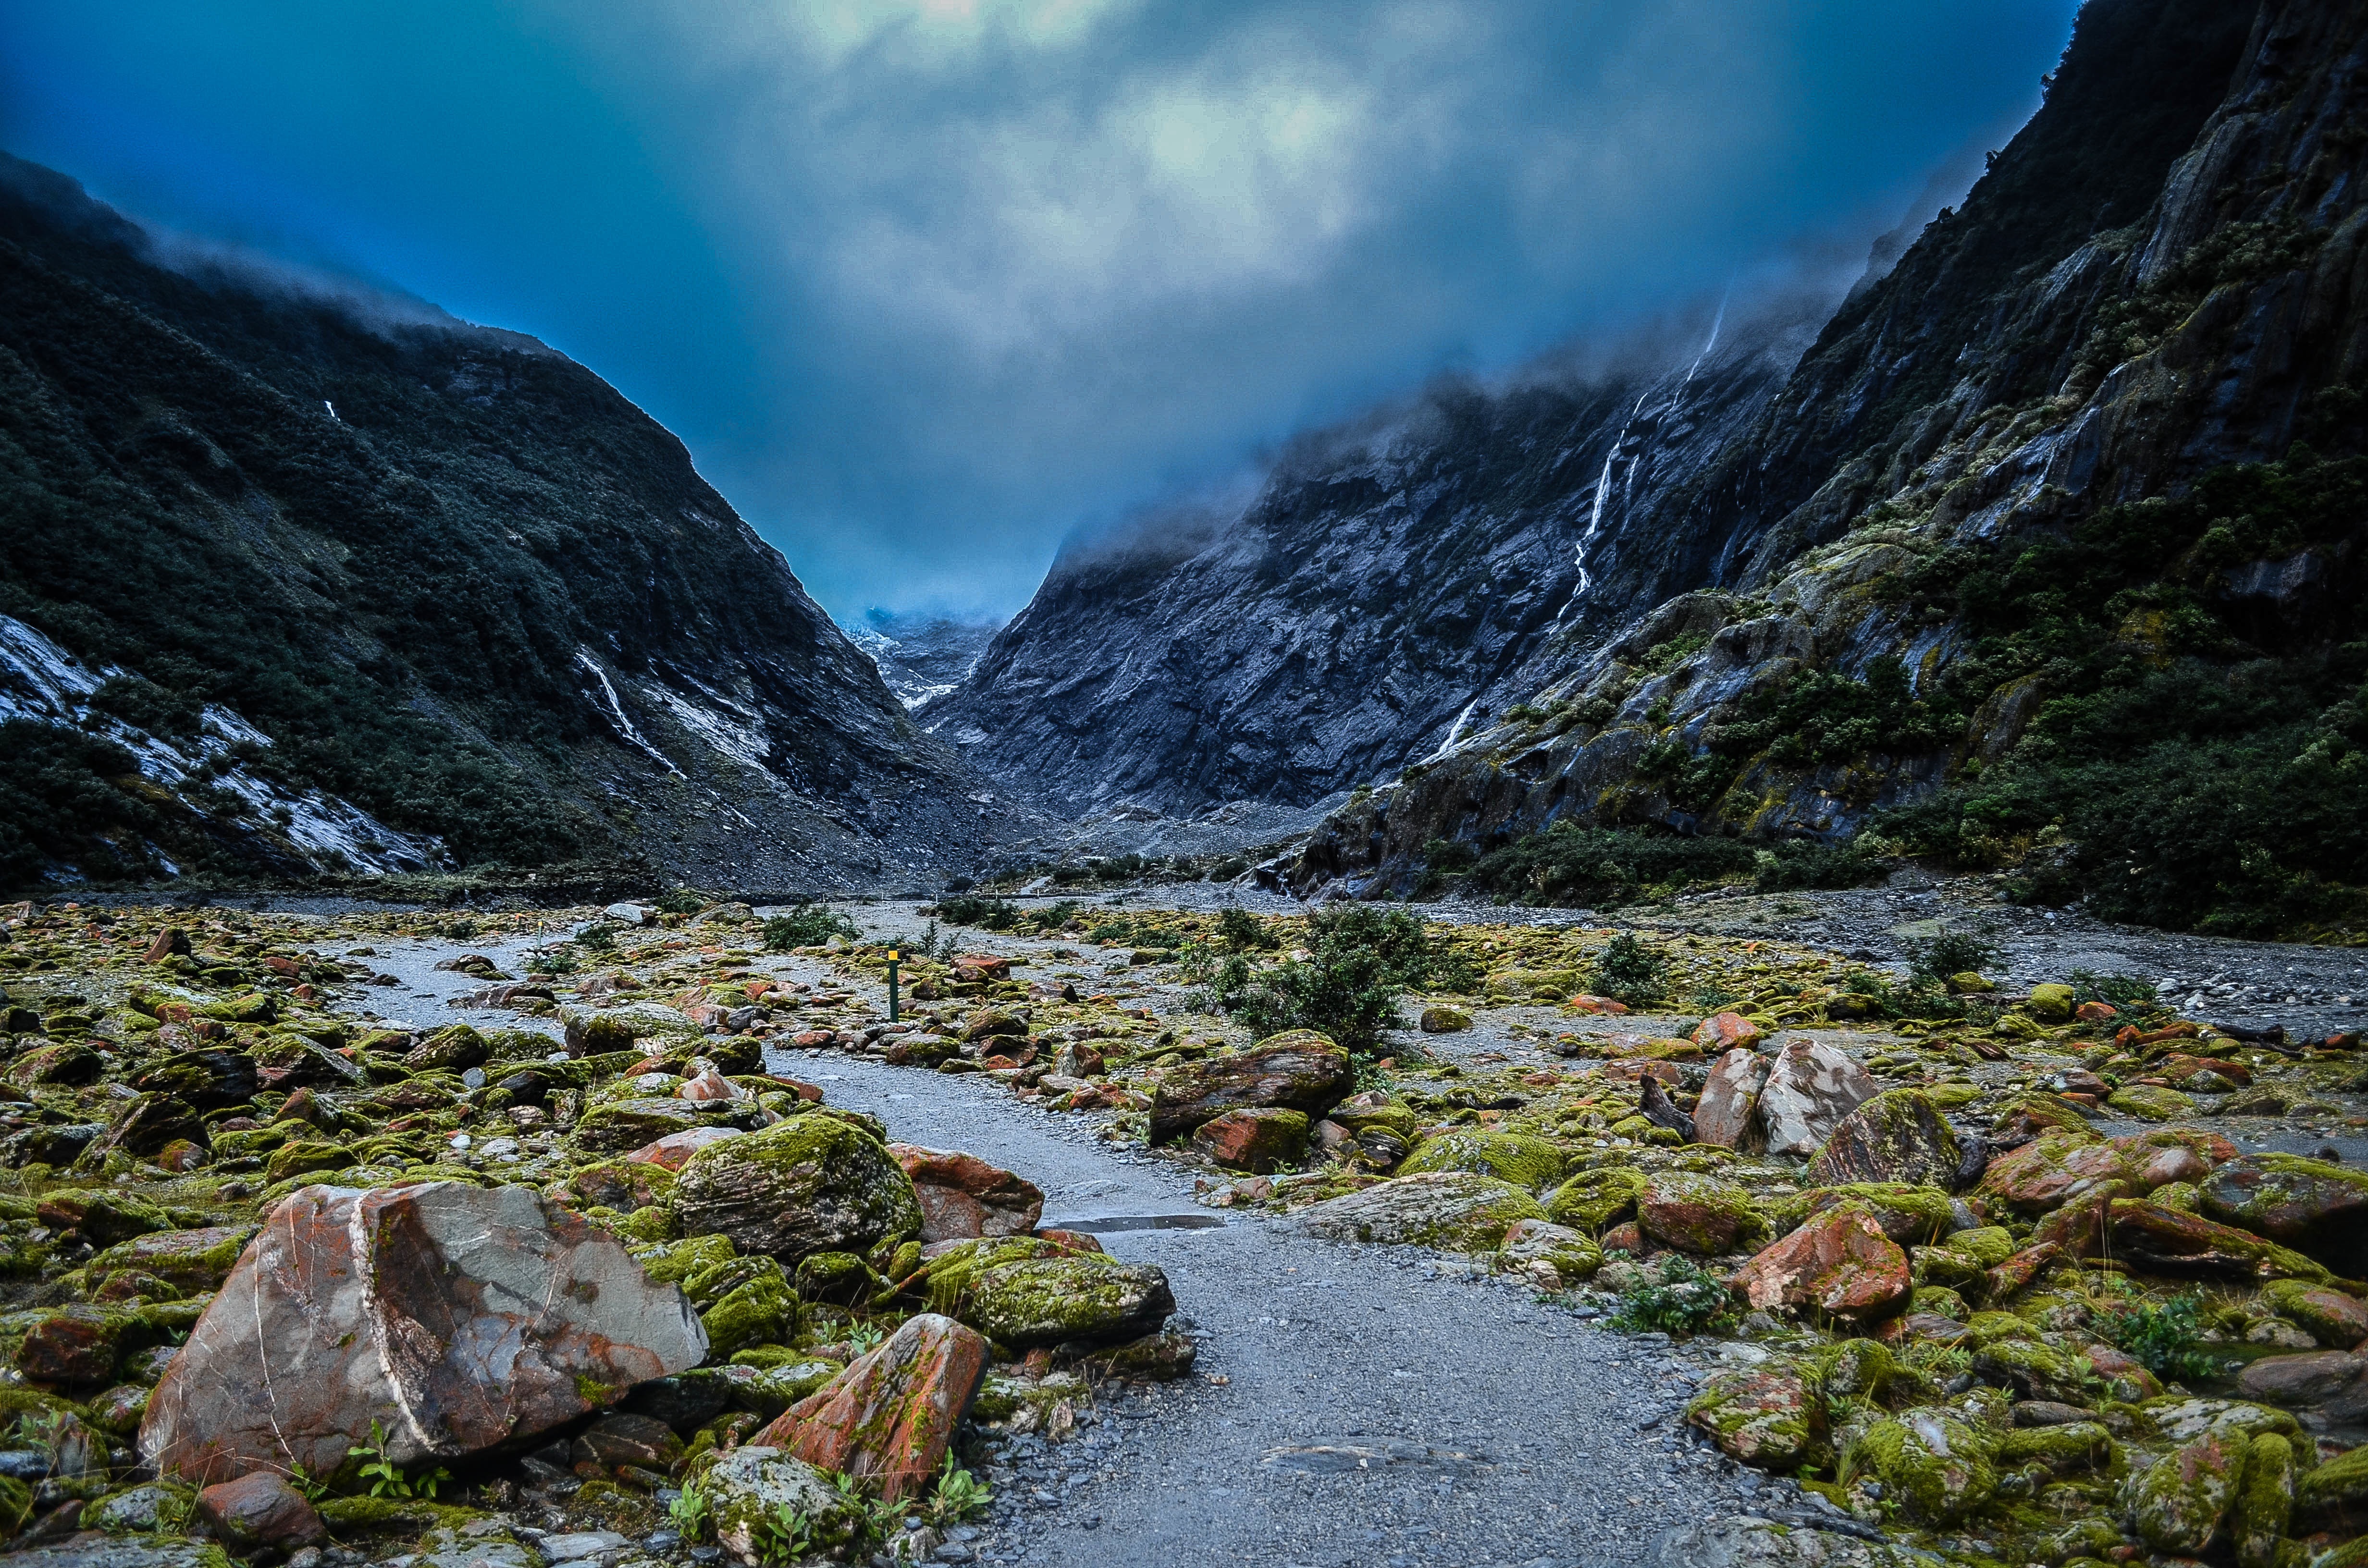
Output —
<point x="1548" y="1281"/>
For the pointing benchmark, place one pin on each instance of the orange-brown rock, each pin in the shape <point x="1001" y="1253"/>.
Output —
<point x="260" y="1510"/>
<point x="889" y="1417"/>
<point x="674" y="1151"/>
<point x="962" y="1196"/>
<point x="1841" y="1262"/>
<point x="1729" y="1095"/>
<point x="1725" y="1031"/>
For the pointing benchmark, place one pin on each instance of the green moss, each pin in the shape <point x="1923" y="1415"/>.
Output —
<point x="1593" y="1200"/>
<point x="2265" y="1501"/>
<point x="388" y="1516"/>
<point x="1532" y="1162"/>
<point x="2075" y="1446"/>
<point x="1939" y="1466"/>
<point x="759" y="1311"/>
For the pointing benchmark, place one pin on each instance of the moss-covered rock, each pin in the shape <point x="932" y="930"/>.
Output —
<point x="1524" y="1161"/>
<point x="1053" y="1300"/>
<point x="1594" y="1199"/>
<point x="2033" y="1371"/>
<point x="2337" y="1489"/>
<point x="152" y="1505"/>
<point x="309" y="1157"/>
<point x="1570" y="1255"/>
<point x="759" y="1309"/>
<point x="812" y="1183"/>
<point x="620" y="1125"/>
<point x="750" y="1490"/>
<point x="1453" y="1211"/>
<point x="1697" y="1214"/>
<point x="2264" y="1501"/>
<point x="2332" y="1317"/>
<point x="2151" y="1102"/>
<point x="2312" y="1205"/>
<point x="1937" y="1463"/>
<point x="1771" y="1416"/>
<point x="1909" y="1214"/>
<point x="2073" y="1447"/>
<point x="1897" y="1136"/>
<point x="2176" y="1503"/>
<point x="2050" y="1004"/>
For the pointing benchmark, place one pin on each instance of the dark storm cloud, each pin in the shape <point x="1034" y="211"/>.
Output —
<point x="926" y="285"/>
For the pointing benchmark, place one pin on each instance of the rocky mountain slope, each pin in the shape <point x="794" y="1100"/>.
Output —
<point x="922" y="658"/>
<point x="1388" y="587"/>
<point x="2059" y="564"/>
<point x="300" y="583"/>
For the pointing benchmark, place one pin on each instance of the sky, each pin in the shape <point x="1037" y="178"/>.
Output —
<point x="926" y="285"/>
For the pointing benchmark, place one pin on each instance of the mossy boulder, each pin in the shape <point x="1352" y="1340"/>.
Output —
<point x="1073" y="1297"/>
<point x="1518" y="1158"/>
<point x="2332" y="1317"/>
<point x="811" y="1183"/>
<point x="2176" y="1503"/>
<point x="1771" y="1416"/>
<point x="1697" y="1213"/>
<point x="2051" y="1004"/>
<point x="1910" y="1215"/>
<point x="309" y="1157"/>
<point x="1453" y="1211"/>
<point x="1570" y="1255"/>
<point x="1299" y="1070"/>
<point x="151" y="1506"/>
<point x="2151" y="1102"/>
<point x="760" y="1307"/>
<point x="2265" y="1499"/>
<point x="2034" y="1371"/>
<point x="1897" y="1136"/>
<point x="646" y="1027"/>
<point x="1594" y="1200"/>
<point x="750" y="1489"/>
<point x="1935" y="1462"/>
<point x="2064" y="1450"/>
<point x="620" y="1125"/>
<point x="1375" y="1110"/>
<point x="2313" y="1205"/>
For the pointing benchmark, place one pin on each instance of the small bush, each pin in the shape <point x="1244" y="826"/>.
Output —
<point x="682" y="901"/>
<point x="807" y="926"/>
<point x="596" y="938"/>
<point x="1935" y="958"/>
<point x="1227" y="870"/>
<point x="1798" y="865"/>
<point x="1690" y="1299"/>
<point x="1361" y="962"/>
<point x="2122" y="991"/>
<point x="1111" y="931"/>
<point x="984" y="914"/>
<point x="2166" y="1340"/>
<point x="1630" y="971"/>
<point x="1244" y="932"/>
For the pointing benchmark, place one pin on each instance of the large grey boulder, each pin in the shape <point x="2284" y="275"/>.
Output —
<point x="1809" y="1090"/>
<point x="460" y="1318"/>
<point x="1301" y="1070"/>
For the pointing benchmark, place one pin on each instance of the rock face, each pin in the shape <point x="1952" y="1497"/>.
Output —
<point x="1810" y="1088"/>
<point x="1300" y="1070"/>
<point x="961" y="1195"/>
<point x="1841" y="1262"/>
<point x="536" y="558"/>
<point x="889" y="1417"/>
<point x="814" y="1183"/>
<point x="1699" y="1214"/>
<point x="1263" y="1139"/>
<point x="1896" y="1136"/>
<point x="462" y="1318"/>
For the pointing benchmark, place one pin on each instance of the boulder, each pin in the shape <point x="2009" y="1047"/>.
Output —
<point x="814" y="1183"/>
<point x="890" y="1417"/>
<point x="1898" y="1136"/>
<point x="1730" y="1095"/>
<point x="2156" y="1239"/>
<point x="1841" y="1263"/>
<point x="1700" y="1214"/>
<point x="1810" y="1088"/>
<point x="647" y="1026"/>
<point x="1515" y="1157"/>
<point x="615" y="1126"/>
<point x="453" y="1049"/>
<point x="2264" y="1502"/>
<point x="1934" y="1461"/>
<point x="1726" y="1031"/>
<point x="751" y="1489"/>
<point x="995" y="1022"/>
<point x="1541" y="1247"/>
<point x="474" y="1316"/>
<point x="2151" y="1102"/>
<point x="1593" y="1199"/>
<point x="1023" y="1293"/>
<point x="2336" y="1381"/>
<point x="2312" y="1205"/>
<point x="1259" y="1139"/>
<point x="2053" y="1170"/>
<point x="1453" y="1211"/>
<point x="1300" y="1069"/>
<point x="1771" y="1416"/>
<point x="2176" y="1503"/>
<point x="623" y="1439"/>
<point x="2330" y="1316"/>
<point x="1439" y="1019"/>
<point x="961" y="1195"/>
<point x="193" y="1260"/>
<point x="2337" y="1492"/>
<point x="261" y="1510"/>
<point x="205" y="1080"/>
<point x="2050" y="1004"/>
<point x="674" y="1151"/>
<point x="78" y="1344"/>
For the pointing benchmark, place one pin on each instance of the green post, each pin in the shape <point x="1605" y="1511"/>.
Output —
<point x="892" y="957"/>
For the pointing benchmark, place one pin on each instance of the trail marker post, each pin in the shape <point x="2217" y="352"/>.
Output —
<point x="894" y="958"/>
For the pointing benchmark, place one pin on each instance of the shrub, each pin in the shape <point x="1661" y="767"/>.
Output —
<point x="2163" y="1339"/>
<point x="1935" y="958"/>
<point x="682" y="901"/>
<point x="986" y="914"/>
<point x="1605" y="866"/>
<point x="1244" y="932"/>
<point x="1361" y="962"/>
<point x="1627" y="971"/>
<point x="807" y="926"/>
<point x="1690" y="1299"/>
<point x="2122" y="991"/>
<point x="1797" y="865"/>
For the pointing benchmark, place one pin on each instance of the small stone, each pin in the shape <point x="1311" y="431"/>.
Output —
<point x="1258" y="1139"/>
<point x="261" y="1509"/>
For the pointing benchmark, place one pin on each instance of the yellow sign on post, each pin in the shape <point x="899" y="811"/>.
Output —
<point x="893" y="956"/>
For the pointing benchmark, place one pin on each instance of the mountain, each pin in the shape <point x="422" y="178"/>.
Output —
<point x="922" y="658"/>
<point x="303" y="580"/>
<point x="2059" y="536"/>
<point x="1388" y="587"/>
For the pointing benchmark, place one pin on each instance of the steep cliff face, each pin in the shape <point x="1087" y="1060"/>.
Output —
<point x="2067" y="528"/>
<point x="276" y="561"/>
<point x="1388" y="589"/>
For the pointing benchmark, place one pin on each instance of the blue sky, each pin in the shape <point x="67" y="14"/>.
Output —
<point x="926" y="284"/>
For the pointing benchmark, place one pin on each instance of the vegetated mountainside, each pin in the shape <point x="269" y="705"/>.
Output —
<point x="296" y="582"/>
<point x="2066" y="566"/>
<point x="922" y="658"/>
<point x="1390" y="585"/>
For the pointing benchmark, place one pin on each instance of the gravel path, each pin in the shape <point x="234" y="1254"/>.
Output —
<point x="1352" y="1405"/>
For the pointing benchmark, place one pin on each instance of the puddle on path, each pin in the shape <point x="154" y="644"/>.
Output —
<point x="1347" y="1455"/>
<point x="1107" y="1224"/>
